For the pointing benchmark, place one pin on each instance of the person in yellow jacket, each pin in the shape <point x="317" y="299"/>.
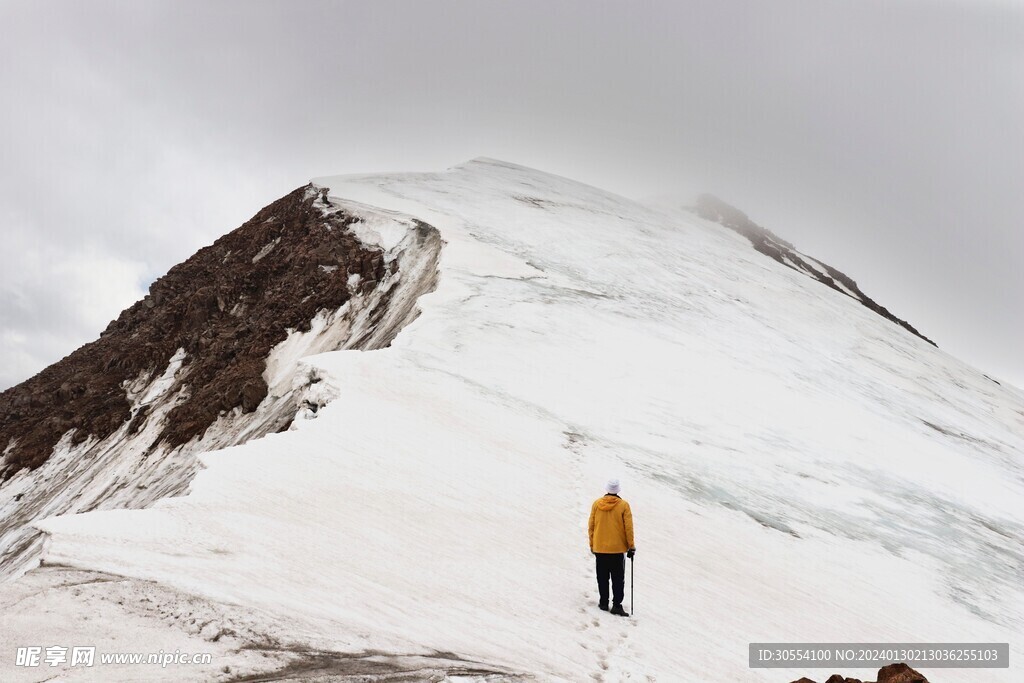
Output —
<point x="611" y="536"/>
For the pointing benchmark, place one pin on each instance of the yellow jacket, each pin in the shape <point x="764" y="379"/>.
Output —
<point x="611" y="525"/>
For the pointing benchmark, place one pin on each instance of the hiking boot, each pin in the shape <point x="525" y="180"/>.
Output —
<point x="603" y="606"/>
<point x="617" y="610"/>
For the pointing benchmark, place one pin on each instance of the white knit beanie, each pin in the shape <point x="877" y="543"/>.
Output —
<point x="613" y="486"/>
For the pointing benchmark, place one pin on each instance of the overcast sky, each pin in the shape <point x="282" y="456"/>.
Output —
<point x="885" y="138"/>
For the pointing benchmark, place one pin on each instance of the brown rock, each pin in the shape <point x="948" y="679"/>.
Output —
<point x="227" y="315"/>
<point x="253" y="393"/>
<point x="899" y="673"/>
<point x="893" y="673"/>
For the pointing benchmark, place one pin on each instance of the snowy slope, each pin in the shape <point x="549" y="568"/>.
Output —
<point x="799" y="468"/>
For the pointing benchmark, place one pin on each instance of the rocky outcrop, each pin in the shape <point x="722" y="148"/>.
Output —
<point x="768" y="243"/>
<point x="892" y="673"/>
<point x="208" y="359"/>
<point x="226" y="306"/>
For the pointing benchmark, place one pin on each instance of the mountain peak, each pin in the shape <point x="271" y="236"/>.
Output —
<point x="792" y="452"/>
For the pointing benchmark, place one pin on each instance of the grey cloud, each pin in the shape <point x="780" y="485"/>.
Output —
<point x="882" y="136"/>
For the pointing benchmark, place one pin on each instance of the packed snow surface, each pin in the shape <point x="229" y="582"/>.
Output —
<point x="799" y="468"/>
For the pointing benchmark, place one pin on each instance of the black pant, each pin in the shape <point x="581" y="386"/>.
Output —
<point x="613" y="566"/>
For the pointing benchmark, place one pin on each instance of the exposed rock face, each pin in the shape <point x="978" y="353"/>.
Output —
<point x="892" y="673"/>
<point x="118" y="423"/>
<point x="226" y="306"/>
<point x="768" y="243"/>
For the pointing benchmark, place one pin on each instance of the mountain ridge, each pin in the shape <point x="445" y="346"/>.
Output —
<point x="787" y="453"/>
<point x="768" y="243"/>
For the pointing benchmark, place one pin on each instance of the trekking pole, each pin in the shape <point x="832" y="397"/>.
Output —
<point x="632" y="585"/>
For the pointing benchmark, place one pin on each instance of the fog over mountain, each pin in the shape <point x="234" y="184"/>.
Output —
<point x="881" y="137"/>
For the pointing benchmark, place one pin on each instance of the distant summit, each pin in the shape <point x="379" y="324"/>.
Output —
<point x="768" y="243"/>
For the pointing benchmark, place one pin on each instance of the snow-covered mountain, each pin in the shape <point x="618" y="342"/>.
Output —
<point x="799" y="467"/>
